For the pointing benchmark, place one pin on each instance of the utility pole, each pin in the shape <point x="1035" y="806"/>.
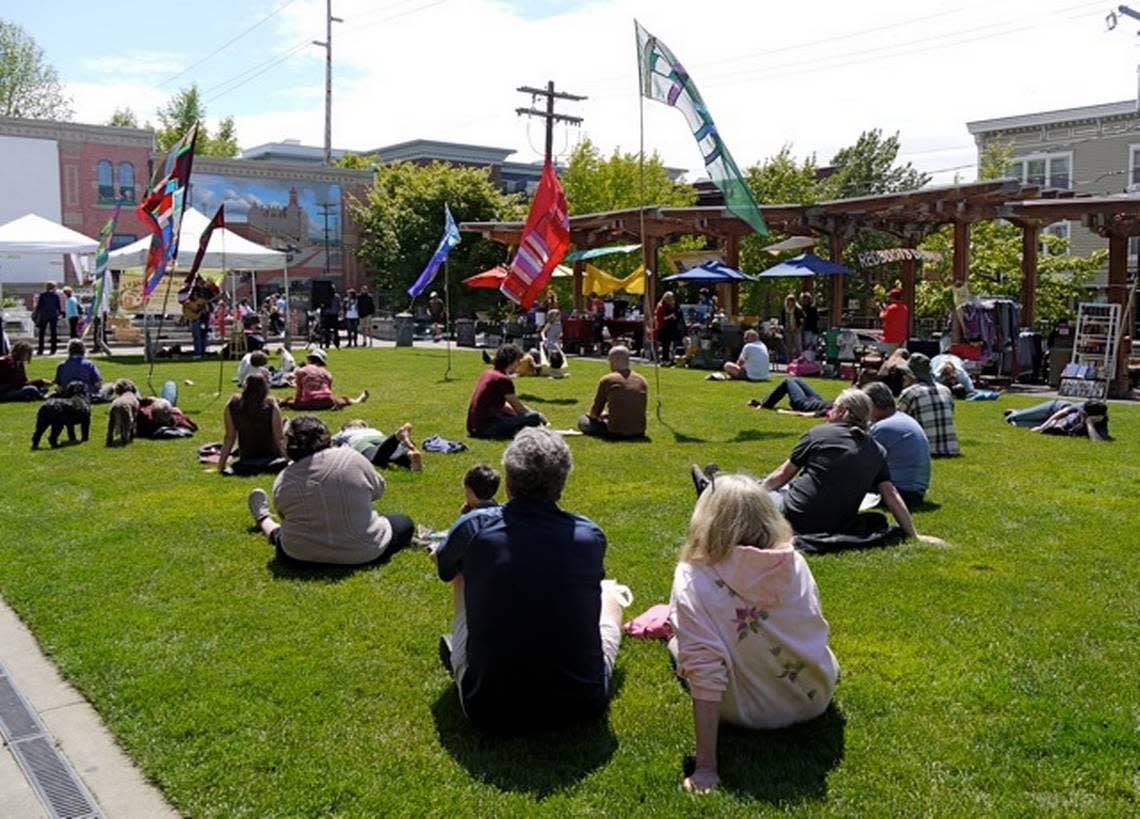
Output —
<point x="327" y="46"/>
<point x="549" y="115"/>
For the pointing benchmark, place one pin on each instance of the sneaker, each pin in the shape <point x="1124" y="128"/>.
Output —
<point x="700" y="479"/>
<point x="619" y="592"/>
<point x="445" y="653"/>
<point x="258" y="505"/>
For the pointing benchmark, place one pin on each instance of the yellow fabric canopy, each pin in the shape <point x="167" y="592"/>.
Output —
<point x="598" y="282"/>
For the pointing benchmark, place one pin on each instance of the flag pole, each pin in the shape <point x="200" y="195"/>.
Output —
<point x="447" y="316"/>
<point x="161" y="318"/>
<point x="222" y="358"/>
<point x="649" y="319"/>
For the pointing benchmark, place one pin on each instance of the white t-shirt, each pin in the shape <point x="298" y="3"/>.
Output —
<point x="755" y="356"/>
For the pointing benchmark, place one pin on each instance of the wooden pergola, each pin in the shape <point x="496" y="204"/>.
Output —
<point x="909" y="216"/>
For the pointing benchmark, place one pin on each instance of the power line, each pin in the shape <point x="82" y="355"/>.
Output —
<point x="264" y="66"/>
<point x="228" y="43"/>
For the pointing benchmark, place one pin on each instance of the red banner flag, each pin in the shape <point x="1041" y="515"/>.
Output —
<point x="219" y="221"/>
<point x="545" y="240"/>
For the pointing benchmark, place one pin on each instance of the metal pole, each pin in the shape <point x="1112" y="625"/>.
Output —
<point x="650" y="323"/>
<point x="288" y="341"/>
<point x="549" y="120"/>
<point x="447" y="315"/>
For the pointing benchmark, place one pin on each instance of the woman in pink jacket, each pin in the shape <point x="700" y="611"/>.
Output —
<point x="751" y="641"/>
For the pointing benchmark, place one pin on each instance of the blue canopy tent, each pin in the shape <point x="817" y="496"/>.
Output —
<point x="711" y="272"/>
<point x="806" y="264"/>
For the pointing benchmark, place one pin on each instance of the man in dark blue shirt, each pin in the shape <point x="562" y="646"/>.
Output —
<point x="536" y="633"/>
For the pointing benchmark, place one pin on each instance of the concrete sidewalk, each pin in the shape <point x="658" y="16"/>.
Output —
<point x="118" y="787"/>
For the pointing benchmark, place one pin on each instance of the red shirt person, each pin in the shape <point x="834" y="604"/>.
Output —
<point x="495" y="411"/>
<point x="896" y="319"/>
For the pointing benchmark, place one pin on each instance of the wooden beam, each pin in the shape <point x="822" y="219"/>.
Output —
<point x="1030" y="236"/>
<point x="1118" y="294"/>
<point x="907" y="268"/>
<point x="961" y="260"/>
<point x="836" y="253"/>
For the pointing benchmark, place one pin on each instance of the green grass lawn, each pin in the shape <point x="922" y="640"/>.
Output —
<point x="993" y="677"/>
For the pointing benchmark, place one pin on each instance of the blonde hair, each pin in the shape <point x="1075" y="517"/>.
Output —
<point x="733" y="511"/>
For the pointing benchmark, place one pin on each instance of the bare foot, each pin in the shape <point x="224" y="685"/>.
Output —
<point x="362" y="397"/>
<point x="404" y="433"/>
<point x="416" y="459"/>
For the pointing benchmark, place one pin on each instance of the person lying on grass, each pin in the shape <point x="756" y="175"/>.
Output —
<point x="804" y="400"/>
<point x="1085" y="419"/>
<point x="397" y="449"/>
<point x="253" y="421"/>
<point x="749" y="639"/>
<point x="324" y="499"/>
<point x="821" y="486"/>
<point x="314" y="388"/>
<point x="536" y="629"/>
<point x="495" y="410"/>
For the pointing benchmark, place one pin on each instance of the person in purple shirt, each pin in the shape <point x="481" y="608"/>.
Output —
<point x="78" y="367"/>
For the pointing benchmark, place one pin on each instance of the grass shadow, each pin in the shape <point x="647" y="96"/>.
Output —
<point x="538" y="764"/>
<point x="746" y="435"/>
<point x="681" y="437"/>
<point x="538" y="399"/>
<point x="328" y="573"/>
<point x="926" y="506"/>
<point x="785" y="766"/>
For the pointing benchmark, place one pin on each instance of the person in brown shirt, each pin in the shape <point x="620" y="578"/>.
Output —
<point x="619" y="406"/>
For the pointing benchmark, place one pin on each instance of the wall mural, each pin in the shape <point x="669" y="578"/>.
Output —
<point x="282" y="214"/>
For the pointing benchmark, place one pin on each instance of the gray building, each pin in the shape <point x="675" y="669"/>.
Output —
<point x="1093" y="149"/>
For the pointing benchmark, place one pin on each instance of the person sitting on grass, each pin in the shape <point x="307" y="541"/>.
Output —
<point x="324" y="499"/>
<point x="536" y="630"/>
<point x="253" y="421"/>
<point x="619" y="404"/>
<point x="752" y="365"/>
<point x="78" y="367"/>
<point x="382" y="451"/>
<point x="805" y="401"/>
<point x="1087" y="419"/>
<point x="932" y="405"/>
<point x="908" y="453"/>
<point x="257" y="361"/>
<point x="479" y="487"/>
<point x="749" y="639"/>
<point x="821" y="486"/>
<point x="495" y="411"/>
<point x="159" y="418"/>
<point x="895" y="371"/>
<point x="314" y="388"/>
<point x="14" y="383"/>
<point x="530" y="364"/>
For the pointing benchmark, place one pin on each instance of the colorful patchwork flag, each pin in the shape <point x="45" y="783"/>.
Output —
<point x="163" y="207"/>
<point x="664" y="79"/>
<point x="450" y="239"/>
<point x="101" y="304"/>
<point x="544" y="241"/>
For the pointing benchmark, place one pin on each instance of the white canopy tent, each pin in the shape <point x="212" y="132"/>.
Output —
<point x="36" y="235"/>
<point x="226" y="251"/>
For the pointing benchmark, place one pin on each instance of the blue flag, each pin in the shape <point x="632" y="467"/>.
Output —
<point x="450" y="239"/>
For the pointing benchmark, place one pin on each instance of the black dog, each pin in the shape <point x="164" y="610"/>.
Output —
<point x="67" y="409"/>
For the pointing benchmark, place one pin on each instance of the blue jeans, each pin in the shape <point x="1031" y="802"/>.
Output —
<point x="800" y="395"/>
<point x="200" y="330"/>
<point x="505" y="426"/>
<point x="1039" y="414"/>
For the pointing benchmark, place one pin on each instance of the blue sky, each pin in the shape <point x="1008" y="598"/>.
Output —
<point x="772" y="74"/>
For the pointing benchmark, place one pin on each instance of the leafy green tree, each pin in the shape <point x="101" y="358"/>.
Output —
<point x="870" y="167"/>
<point x="179" y="115"/>
<point x="401" y="221"/>
<point x="357" y="162"/>
<point x="123" y="118"/>
<point x="594" y="184"/>
<point x="995" y="261"/>
<point x="29" y="87"/>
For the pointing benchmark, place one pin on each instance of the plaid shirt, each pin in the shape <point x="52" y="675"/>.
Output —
<point x="932" y="405"/>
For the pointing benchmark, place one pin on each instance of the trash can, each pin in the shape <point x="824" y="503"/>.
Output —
<point x="405" y="329"/>
<point x="465" y="332"/>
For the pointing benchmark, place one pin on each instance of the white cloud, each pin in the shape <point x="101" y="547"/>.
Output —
<point x="814" y="76"/>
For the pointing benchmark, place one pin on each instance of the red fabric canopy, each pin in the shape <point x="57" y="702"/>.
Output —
<point x="491" y="279"/>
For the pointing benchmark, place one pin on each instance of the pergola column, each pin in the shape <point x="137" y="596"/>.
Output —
<point x="731" y="305"/>
<point x="836" y="252"/>
<point x="1118" y="294"/>
<point x="906" y="267"/>
<point x="579" y="297"/>
<point x="961" y="252"/>
<point x="1030" y="237"/>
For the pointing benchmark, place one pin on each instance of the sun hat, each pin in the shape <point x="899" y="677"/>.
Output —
<point x="896" y="293"/>
<point x="318" y="355"/>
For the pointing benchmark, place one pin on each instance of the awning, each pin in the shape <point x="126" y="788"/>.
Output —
<point x="791" y="243"/>
<point x="226" y="250"/>
<point x="582" y="255"/>
<point x="35" y="234"/>
<point x="806" y="264"/>
<point x="710" y="273"/>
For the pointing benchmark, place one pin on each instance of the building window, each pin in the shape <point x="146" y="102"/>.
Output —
<point x="1062" y="230"/>
<point x="1133" y="165"/>
<point x="126" y="181"/>
<point x="1044" y="170"/>
<point x="105" y="175"/>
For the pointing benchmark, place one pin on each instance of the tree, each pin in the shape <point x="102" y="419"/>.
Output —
<point x="123" y="118"/>
<point x="995" y="261"/>
<point x="868" y="168"/>
<point x="401" y="222"/>
<point x="596" y="185"/>
<point x="179" y="115"/>
<point x="29" y="87"/>
<point x="357" y="162"/>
